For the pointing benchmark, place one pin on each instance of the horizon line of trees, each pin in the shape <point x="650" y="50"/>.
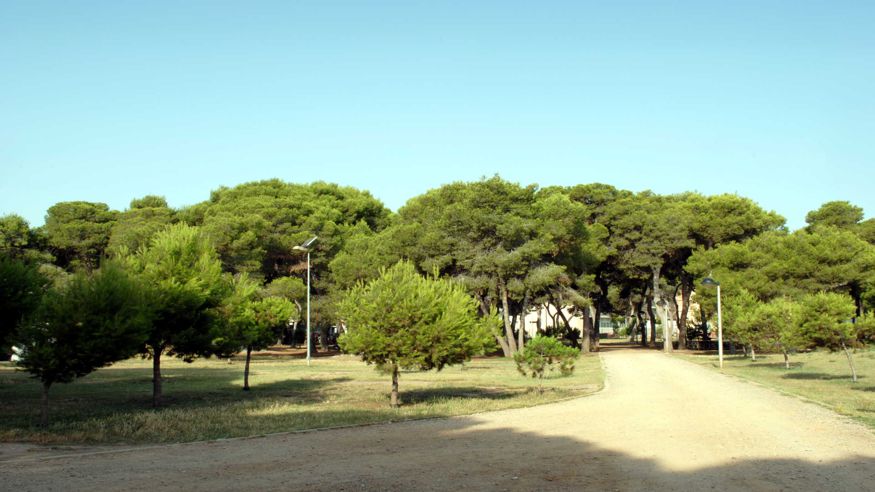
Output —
<point x="229" y="262"/>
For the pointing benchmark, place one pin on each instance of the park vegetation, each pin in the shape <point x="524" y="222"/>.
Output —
<point x="545" y="355"/>
<point x="224" y="276"/>
<point x="402" y="320"/>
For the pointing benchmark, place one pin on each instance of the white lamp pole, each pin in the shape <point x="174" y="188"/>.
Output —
<point x="719" y="329"/>
<point x="308" y="308"/>
<point x="306" y="247"/>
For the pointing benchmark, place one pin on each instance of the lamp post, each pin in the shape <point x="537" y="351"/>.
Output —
<point x="708" y="281"/>
<point x="306" y="247"/>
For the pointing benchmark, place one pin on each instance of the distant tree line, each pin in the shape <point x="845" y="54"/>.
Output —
<point x="223" y="276"/>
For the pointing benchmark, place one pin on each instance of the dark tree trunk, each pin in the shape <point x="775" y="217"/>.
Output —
<point x="156" y="376"/>
<point x="394" y="398"/>
<point x="631" y="321"/>
<point x="850" y="362"/>
<point x="786" y="358"/>
<point x="246" y="368"/>
<point x="639" y="313"/>
<point x="44" y="405"/>
<point x="858" y="302"/>
<point x="597" y="322"/>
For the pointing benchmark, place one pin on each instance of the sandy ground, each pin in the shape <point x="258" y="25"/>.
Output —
<point x="660" y="424"/>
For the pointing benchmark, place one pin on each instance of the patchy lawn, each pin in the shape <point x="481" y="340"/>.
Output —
<point x="820" y="376"/>
<point x="204" y="400"/>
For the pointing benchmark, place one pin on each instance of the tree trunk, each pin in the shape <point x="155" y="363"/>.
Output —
<point x="639" y="314"/>
<point x="786" y="359"/>
<point x="652" y="322"/>
<point x="753" y="354"/>
<point x="246" y="368"/>
<point x="505" y="311"/>
<point x="642" y="326"/>
<point x="44" y="406"/>
<point x="654" y="298"/>
<point x="561" y="314"/>
<point x="597" y="324"/>
<point x="505" y="350"/>
<point x="292" y="335"/>
<point x="484" y="311"/>
<point x="850" y="362"/>
<point x="857" y="295"/>
<point x="666" y="332"/>
<point x="521" y="329"/>
<point x="586" y="336"/>
<point x="394" y="397"/>
<point x="686" y="293"/>
<point x="156" y="376"/>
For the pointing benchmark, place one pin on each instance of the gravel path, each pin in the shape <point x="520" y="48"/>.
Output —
<point x="660" y="424"/>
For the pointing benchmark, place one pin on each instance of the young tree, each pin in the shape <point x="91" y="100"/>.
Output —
<point x="402" y="320"/>
<point x="250" y="322"/>
<point x="543" y="355"/>
<point x="90" y="322"/>
<point x="827" y="322"/>
<point x="182" y="279"/>
<point x="777" y="325"/>
<point x="739" y="323"/>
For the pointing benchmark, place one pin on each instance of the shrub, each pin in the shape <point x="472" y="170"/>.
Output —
<point x="544" y="355"/>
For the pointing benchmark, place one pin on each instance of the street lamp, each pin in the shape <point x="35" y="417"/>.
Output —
<point x="306" y="247"/>
<point x="709" y="282"/>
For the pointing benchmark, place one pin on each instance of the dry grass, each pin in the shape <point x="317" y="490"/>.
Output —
<point x="204" y="400"/>
<point x="819" y="376"/>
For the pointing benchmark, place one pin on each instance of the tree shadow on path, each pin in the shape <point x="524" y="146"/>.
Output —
<point x="450" y="454"/>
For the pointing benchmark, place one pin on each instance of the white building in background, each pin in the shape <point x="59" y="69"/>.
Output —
<point x="541" y="318"/>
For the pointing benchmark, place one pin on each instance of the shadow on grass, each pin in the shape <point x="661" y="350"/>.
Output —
<point x="870" y="389"/>
<point x="417" y="396"/>
<point x="117" y="391"/>
<point x="778" y="365"/>
<point x="616" y="346"/>
<point x="814" y="376"/>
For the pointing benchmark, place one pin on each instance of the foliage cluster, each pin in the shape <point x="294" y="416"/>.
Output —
<point x="402" y="320"/>
<point x="544" y="355"/>
<point x="224" y="275"/>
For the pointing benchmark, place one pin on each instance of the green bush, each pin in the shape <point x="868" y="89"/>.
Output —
<point x="544" y="355"/>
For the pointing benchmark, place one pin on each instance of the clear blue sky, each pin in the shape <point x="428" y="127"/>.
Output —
<point x="108" y="101"/>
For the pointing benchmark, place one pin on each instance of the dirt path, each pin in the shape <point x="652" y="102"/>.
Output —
<point x="661" y="424"/>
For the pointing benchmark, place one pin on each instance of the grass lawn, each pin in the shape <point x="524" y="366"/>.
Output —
<point x="819" y="376"/>
<point x="204" y="400"/>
